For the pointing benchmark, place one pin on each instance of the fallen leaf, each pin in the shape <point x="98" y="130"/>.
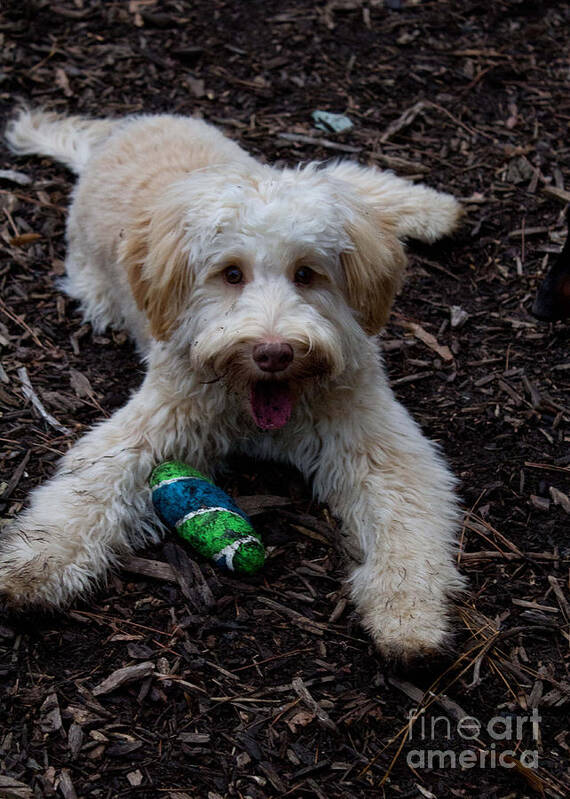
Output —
<point x="80" y="383"/>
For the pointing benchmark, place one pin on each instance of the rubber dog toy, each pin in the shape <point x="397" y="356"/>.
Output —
<point x="202" y="514"/>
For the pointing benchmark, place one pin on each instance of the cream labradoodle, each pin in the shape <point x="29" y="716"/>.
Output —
<point x="254" y="295"/>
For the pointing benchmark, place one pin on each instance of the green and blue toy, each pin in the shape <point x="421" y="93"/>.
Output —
<point x="202" y="514"/>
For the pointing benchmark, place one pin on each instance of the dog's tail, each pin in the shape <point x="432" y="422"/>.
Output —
<point x="68" y="139"/>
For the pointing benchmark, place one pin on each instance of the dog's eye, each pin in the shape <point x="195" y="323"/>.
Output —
<point x="304" y="276"/>
<point x="233" y="275"/>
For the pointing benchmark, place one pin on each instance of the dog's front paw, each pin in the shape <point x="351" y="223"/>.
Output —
<point x="26" y="567"/>
<point x="409" y="629"/>
<point x="40" y="565"/>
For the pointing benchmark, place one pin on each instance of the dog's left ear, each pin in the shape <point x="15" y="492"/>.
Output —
<point x="386" y="210"/>
<point x="373" y="268"/>
<point x="417" y="211"/>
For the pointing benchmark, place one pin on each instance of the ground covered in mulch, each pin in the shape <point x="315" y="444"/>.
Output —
<point x="269" y="687"/>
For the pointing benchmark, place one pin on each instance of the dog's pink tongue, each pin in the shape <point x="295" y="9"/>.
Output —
<point x="271" y="404"/>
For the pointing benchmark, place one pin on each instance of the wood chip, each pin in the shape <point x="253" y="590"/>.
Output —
<point x="135" y="778"/>
<point x="458" y="317"/>
<point x="23" y="239"/>
<point x="80" y="383"/>
<point x="404" y="120"/>
<point x="316" y="628"/>
<point x="189" y="577"/>
<point x="75" y="739"/>
<point x="15" y="177"/>
<point x="560" y="596"/>
<point x="560" y="499"/>
<point x="124" y="676"/>
<point x="31" y="395"/>
<point x="560" y="194"/>
<point x="157" y="569"/>
<point x="17" y="475"/>
<point x="426" y="338"/>
<point x="322" y="716"/>
<point x="418" y="696"/>
<point x="475" y="557"/>
<point x="253" y="505"/>
<point x="525" y="603"/>
<point x="50" y="715"/>
<point x="399" y="164"/>
<point x="11" y="788"/>
<point x="319" y="142"/>
<point x="338" y="610"/>
<point x="541" y="503"/>
<point x="224" y="658"/>
<point x="194" y="737"/>
<point x="65" y="785"/>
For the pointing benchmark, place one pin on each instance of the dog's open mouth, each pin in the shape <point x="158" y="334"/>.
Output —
<point x="271" y="404"/>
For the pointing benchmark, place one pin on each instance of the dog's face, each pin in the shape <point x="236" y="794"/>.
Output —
<point x="270" y="280"/>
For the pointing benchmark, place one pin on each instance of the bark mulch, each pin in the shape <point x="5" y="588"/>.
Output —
<point x="175" y="680"/>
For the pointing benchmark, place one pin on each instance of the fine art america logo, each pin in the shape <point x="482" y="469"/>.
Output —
<point x="507" y="734"/>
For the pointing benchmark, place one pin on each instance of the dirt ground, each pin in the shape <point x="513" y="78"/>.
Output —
<point x="269" y="687"/>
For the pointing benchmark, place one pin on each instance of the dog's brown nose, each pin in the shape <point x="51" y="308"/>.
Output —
<point x="273" y="356"/>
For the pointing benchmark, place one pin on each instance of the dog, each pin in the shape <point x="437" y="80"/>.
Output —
<point x="255" y="296"/>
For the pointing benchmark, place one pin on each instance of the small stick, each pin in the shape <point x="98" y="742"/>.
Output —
<point x="30" y="394"/>
<point x="330" y="145"/>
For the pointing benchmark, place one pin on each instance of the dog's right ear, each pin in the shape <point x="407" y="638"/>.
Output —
<point x="158" y="267"/>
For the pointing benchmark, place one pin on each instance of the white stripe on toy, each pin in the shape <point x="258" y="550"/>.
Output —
<point x="227" y="553"/>
<point x="176" y="480"/>
<point x="201" y="511"/>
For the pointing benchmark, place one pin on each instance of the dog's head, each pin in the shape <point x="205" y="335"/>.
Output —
<point x="269" y="278"/>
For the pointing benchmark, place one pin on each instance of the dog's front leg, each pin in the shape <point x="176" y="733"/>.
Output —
<point x="97" y="507"/>
<point x="394" y="497"/>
